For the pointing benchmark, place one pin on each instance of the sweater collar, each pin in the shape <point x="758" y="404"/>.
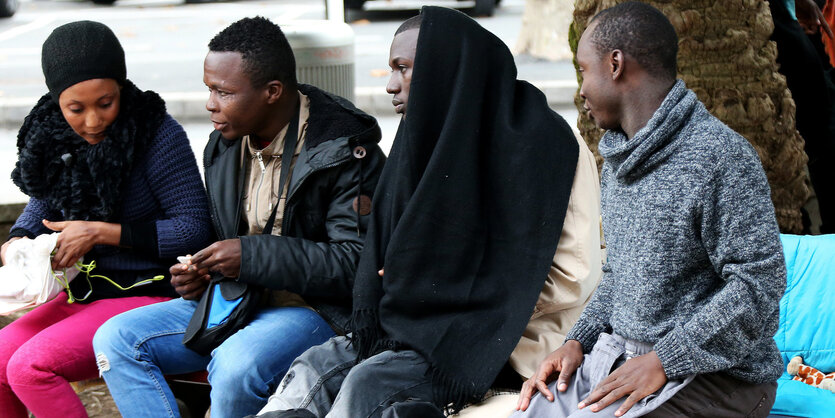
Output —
<point x="655" y="141"/>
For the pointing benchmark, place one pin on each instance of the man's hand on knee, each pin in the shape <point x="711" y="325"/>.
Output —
<point x="638" y="378"/>
<point x="565" y="360"/>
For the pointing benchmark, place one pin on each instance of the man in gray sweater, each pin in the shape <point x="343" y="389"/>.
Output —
<point x="683" y="319"/>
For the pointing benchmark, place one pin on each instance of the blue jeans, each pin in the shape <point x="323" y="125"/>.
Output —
<point x="135" y="349"/>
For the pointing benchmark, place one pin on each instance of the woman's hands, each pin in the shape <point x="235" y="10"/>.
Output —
<point x="78" y="238"/>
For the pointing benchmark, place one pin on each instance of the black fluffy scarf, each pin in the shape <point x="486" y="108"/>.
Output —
<point x="85" y="181"/>
<point x="467" y="213"/>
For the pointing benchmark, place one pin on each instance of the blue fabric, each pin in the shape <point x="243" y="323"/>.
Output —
<point x="142" y="345"/>
<point x="791" y="8"/>
<point x="220" y="308"/>
<point x="807" y="322"/>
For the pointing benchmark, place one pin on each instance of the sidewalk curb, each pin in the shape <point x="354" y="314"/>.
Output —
<point x="191" y="106"/>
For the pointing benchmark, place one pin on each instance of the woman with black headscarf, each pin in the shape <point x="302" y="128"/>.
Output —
<point x="103" y="163"/>
<point x="463" y="222"/>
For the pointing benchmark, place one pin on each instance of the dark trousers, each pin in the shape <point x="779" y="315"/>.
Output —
<point x="717" y="395"/>
<point x="807" y="77"/>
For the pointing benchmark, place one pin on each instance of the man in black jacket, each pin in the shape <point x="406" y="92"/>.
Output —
<point x="299" y="243"/>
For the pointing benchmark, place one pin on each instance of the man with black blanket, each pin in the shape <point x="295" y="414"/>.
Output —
<point x="466" y="212"/>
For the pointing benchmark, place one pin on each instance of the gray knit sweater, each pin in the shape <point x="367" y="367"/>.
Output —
<point x="695" y="264"/>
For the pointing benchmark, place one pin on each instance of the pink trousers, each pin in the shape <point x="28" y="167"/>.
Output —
<point x="47" y="348"/>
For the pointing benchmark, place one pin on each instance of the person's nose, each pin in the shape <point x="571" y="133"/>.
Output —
<point x="92" y="119"/>
<point x="393" y="86"/>
<point x="211" y="103"/>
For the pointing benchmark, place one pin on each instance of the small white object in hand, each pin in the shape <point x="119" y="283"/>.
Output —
<point x="184" y="259"/>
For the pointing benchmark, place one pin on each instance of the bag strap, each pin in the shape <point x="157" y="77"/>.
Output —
<point x="290" y="140"/>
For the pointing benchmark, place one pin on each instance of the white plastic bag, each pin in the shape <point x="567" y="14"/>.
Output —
<point x="27" y="279"/>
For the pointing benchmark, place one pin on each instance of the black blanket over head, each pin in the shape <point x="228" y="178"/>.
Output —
<point x="467" y="213"/>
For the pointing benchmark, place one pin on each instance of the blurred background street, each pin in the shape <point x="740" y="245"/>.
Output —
<point x="165" y="43"/>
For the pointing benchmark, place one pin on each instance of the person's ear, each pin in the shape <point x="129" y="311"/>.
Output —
<point x="616" y="64"/>
<point x="274" y="91"/>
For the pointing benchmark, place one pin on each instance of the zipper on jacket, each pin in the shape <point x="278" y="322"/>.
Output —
<point x="280" y="186"/>
<point x="260" y="181"/>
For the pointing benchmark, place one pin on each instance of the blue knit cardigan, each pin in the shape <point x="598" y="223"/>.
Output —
<point x="164" y="192"/>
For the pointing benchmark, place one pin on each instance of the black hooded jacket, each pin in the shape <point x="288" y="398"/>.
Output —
<point x="322" y="234"/>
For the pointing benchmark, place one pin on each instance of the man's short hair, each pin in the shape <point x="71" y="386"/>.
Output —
<point x="641" y="31"/>
<point x="410" y="23"/>
<point x="265" y="50"/>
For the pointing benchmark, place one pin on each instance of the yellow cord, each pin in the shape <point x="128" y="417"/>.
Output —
<point x="86" y="269"/>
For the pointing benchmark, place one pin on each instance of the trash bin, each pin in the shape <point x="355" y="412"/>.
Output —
<point x="324" y="53"/>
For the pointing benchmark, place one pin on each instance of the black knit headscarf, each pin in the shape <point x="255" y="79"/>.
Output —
<point x="80" y="51"/>
<point x="56" y="165"/>
<point x="467" y="212"/>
